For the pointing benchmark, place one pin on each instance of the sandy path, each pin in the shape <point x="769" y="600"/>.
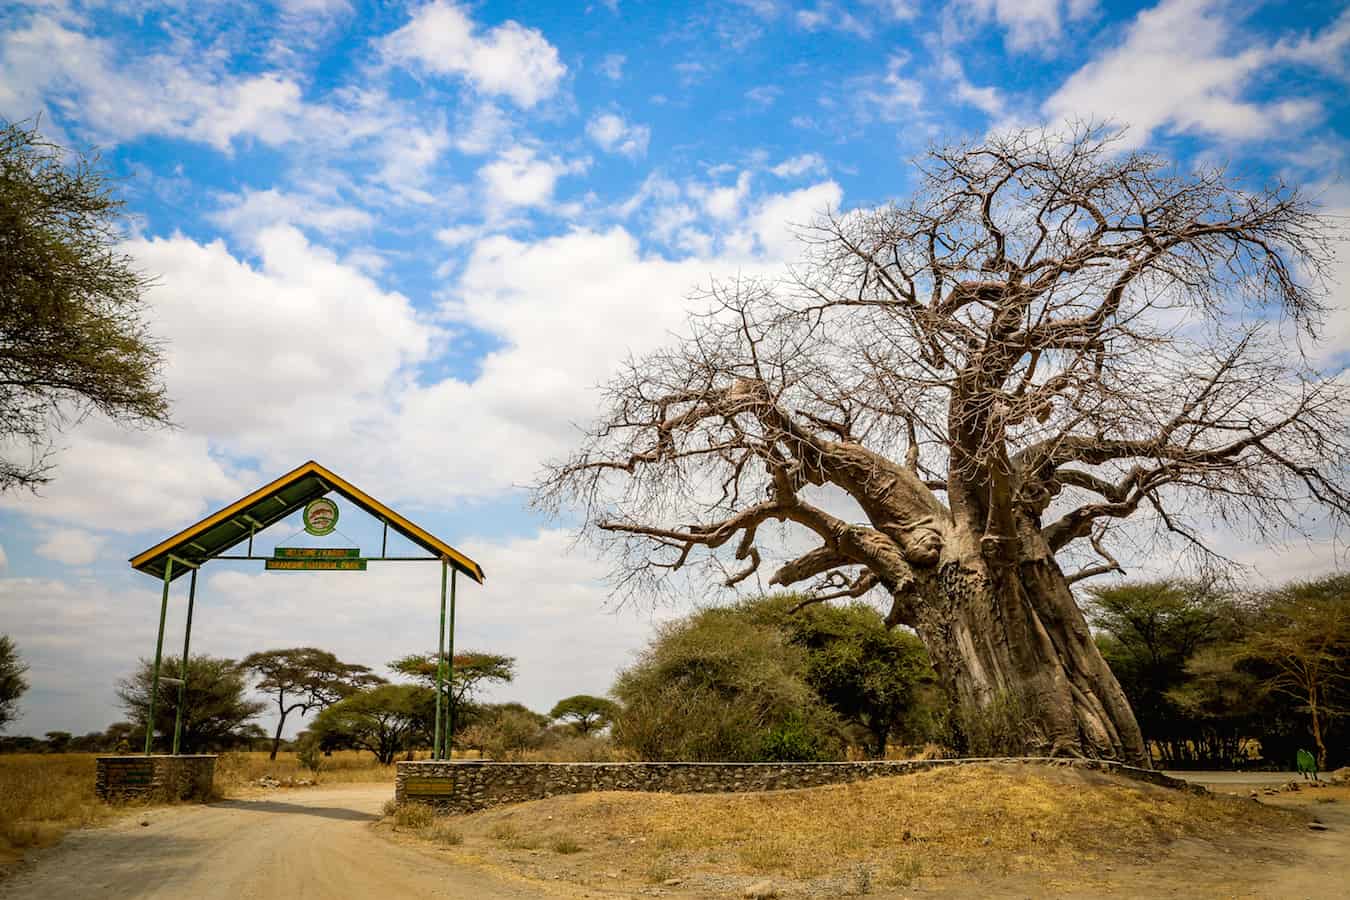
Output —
<point x="297" y="844"/>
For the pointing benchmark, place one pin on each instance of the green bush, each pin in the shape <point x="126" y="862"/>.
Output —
<point x="714" y="687"/>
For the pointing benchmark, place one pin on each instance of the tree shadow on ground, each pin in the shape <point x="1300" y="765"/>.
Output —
<point x="276" y="806"/>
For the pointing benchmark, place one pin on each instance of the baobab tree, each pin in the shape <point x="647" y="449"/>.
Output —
<point x="953" y="398"/>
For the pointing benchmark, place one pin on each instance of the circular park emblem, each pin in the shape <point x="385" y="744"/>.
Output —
<point x="321" y="516"/>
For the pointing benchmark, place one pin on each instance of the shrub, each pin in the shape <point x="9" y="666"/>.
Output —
<point x="413" y="815"/>
<point x="564" y="844"/>
<point x="716" y="687"/>
<point x="445" y="834"/>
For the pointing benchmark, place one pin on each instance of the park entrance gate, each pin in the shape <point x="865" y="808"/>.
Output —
<point x="305" y="488"/>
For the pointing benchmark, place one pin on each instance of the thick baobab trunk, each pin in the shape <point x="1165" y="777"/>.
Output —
<point x="1015" y="652"/>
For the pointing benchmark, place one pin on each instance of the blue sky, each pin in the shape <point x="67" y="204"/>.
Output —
<point x="410" y="240"/>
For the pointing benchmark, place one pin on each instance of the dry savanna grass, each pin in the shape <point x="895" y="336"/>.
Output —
<point x="240" y="769"/>
<point x="43" y="795"/>
<point x="988" y="819"/>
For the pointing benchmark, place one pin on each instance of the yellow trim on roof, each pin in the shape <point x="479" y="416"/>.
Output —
<point x="334" y="482"/>
<point x="352" y="492"/>
<point x="228" y="512"/>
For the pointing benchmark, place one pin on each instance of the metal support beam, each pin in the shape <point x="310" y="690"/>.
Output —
<point x="440" y="672"/>
<point x="450" y="666"/>
<point x="159" y="652"/>
<point x="183" y="669"/>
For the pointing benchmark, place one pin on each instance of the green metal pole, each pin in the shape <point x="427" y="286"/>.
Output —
<point x="440" y="672"/>
<point x="450" y="664"/>
<point x="159" y="652"/>
<point x="183" y="669"/>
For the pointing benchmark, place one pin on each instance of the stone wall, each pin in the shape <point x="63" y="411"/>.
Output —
<point x="161" y="777"/>
<point x="470" y="785"/>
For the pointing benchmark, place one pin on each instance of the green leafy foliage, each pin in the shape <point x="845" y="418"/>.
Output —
<point x="1300" y="648"/>
<point x="585" y="712"/>
<point x="12" y="682"/>
<point x="217" y="713"/>
<point x="505" y="730"/>
<point x="1149" y="634"/>
<point x="715" y="686"/>
<point x="300" y="679"/>
<point x="73" y="335"/>
<point x="1217" y="677"/>
<point x="873" y="676"/>
<point x="472" y="672"/>
<point x="384" y="720"/>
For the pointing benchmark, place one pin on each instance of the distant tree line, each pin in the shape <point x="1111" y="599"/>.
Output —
<point x="1220" y="677"/>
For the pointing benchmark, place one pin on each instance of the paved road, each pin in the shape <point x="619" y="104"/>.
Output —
<point x="298" y="844"/>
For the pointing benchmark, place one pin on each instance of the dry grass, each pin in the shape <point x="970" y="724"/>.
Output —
<point x="987" y="819"/>
<point x="43" y="795"/>
<point x="237" y="770"/>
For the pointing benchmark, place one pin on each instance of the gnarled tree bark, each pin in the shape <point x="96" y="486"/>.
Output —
<point x="947" y="398"/>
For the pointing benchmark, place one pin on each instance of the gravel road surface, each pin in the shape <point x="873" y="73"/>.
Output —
<point x="295" y="844"/>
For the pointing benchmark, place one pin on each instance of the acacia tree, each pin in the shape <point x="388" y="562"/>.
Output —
<point x="300" y="679"/>
<point x="73" y="335"/>
<point x="469" y="673"/>
<point x="216" y="710"/>
<point x="382" y="720"/>
<point x="12" y="682"/>
<point x="587" y="713"/>
<point x="951" y="395"/>
<point x="1303" y="639"/>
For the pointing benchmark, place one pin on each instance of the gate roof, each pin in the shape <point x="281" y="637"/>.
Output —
<point x="273" y="502"/>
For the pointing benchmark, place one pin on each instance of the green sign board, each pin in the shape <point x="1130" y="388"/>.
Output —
<point x="316" y="553"/>
<point x="315" y="565"/>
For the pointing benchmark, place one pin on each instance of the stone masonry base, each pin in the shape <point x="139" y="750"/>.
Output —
<point x="161" y="777"/>
<point x="469" y="785"/>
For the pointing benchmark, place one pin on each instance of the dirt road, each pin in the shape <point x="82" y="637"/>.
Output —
<point x="296" y="844"/>
<point x="319" y="844"/>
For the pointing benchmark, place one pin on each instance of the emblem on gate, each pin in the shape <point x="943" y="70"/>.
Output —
<point x="321" y="516"/>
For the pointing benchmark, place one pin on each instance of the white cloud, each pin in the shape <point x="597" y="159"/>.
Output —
<point x="510" y="59"/>
<point x="1177" y="68"/>
<point x="826" y="16"/>
<point x="72" y="546"/>
<point x="612" y="66"/>
<point x="797" y="166"/>
<point x="891" y="97"/>
<point x="130" y="480"/>
<point x="519" y="178"/>
<point x="114" y="95"/>
<point x="482" y="130"/>
<point x="270" y="363"/>
<point x="723" y="202"/>
<point x="896" y="10"/>
<point x="250" y="211"/>
<point x="986" y="99"/>
<point x="1029" y="23"/>
<point x="615" y="135"/>
<point x="764" y="95"/>
<point x="4" y="560"/>
<point x="409" y="159"/>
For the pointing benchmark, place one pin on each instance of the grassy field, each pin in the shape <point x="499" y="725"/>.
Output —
<point x="44" y="795"/>
<point x="236" y="770"/>
<point x="997" y="820"/>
